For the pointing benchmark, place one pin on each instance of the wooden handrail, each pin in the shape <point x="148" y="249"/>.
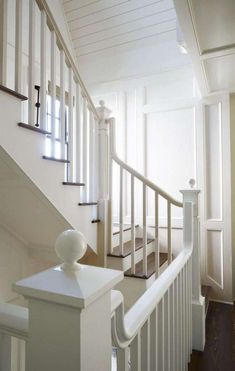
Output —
<point x="132" y="171"/>
<point x="62" y="45"/>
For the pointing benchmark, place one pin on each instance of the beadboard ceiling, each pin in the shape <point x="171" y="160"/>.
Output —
<point x="108" y="28"/>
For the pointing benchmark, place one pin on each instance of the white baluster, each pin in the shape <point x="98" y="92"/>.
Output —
<point x="5" y="352"/>
<point x="169" y="232"/>
<point x="96" y="162"/>
<point x="3" y="41"/>
<point x="53" y="93"/>
<point x="135" y="350"/>
<point x="43" y="71"/>
<point x="132" y="224"/>
<point x="62" y="104"/>
<point x="31" y="91"/>
<point x="85" y="139"/>
<point x="171" y="310"/>
<point x="70" y="129"/>
<point x="121" y="246"/>
<point x="78" y="133"/>
<point x="167" y="348"/>
<point x="91" y="155"/>
<point x="145" y="346"/>
<point x="154" y="340"/>
<point x="18" y="46"/>
<point x="161" y="335"/>
<point x="156" y="242"/>
<point x="122" y="359"/>
<point x="145" y="267"/>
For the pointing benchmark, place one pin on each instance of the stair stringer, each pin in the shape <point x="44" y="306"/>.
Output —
<point x="26" y="148"/>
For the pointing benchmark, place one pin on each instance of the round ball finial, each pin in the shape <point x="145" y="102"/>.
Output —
<point x="192" y="182"/>
<point x="70" y="246"/>
<point x="102" y="103"/>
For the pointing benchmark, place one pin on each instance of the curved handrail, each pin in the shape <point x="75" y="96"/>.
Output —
<point x="136" y="174"/>
<point x="126" y="326"/>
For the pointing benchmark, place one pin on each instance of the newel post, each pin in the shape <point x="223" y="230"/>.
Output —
<point x="198" y="301"/>
<point x="105" y="204"/>
<point x="3" y="42"/>
<point x="69" y="312"/>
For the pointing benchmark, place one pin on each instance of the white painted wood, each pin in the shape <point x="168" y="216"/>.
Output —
<point x="78" y="144"/>
<point x="122" y="359"/>
<point x="145" y="267"/>
<point x="31" y="65"/>
<point x="169" y="232"/>
<point x="18" y="46"/>
<point x="5" y="352"/>
<point x="62" y="104"/>
<point x="121" y="212"/>
<point x="84" y="156"/>
<point x="43" y="71"/>
<point x="53" y="92"/>
<point x="135" y="350"/>
<point x="156" y="237"/>
<point x="77" y="310"/>
<point x="154" y="340"/>
<point x="3" y="41"/>
<point x="71" y="129"/>
<point x="132" y="224"/>
<point x="145" y="346"/>
<point x="91" y="156"/>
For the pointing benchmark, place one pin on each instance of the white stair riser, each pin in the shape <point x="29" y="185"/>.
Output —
<point x="125" y="263"/>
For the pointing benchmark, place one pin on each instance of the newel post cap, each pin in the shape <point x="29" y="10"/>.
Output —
<point x="70" y="246"/>
<point x="103" y="112"/>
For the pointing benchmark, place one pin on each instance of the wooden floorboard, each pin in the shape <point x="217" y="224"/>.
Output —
<point x="219" y="352"/>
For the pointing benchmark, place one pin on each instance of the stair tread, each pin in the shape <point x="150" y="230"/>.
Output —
<point x="87" y="203"/>
<point x="33" y="128"/>
<point x="127" y="247"/>
<point x="13" y="93"/>
<point x="150" y="264"/>
<point x="73" y="183"/>
<point x="56" y="159"/>
<point x="125" y="229"/>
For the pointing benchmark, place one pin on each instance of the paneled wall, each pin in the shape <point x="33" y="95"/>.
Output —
<point x="169" y="134"/>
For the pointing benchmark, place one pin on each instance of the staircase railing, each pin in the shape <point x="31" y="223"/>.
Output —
<point x="74" y="309"/>
<point x="66" y="113"/>
<point x="146" y="184"/>
<point x="156" y="333"/>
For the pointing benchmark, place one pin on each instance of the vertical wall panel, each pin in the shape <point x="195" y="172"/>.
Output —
<point x="213" y="161"/>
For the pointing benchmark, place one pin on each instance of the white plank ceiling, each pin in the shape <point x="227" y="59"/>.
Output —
<point x="105" y="25"/>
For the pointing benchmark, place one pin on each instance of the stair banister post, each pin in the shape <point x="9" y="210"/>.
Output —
<point x="104" y="187"/>
<point x="69" y="312"/>
<point x="3" y="42"/>
<point x="198" y="301"/>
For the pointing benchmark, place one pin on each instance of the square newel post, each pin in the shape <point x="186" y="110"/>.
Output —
<point x="198" y="301"/>
<point x="69" y="312"/>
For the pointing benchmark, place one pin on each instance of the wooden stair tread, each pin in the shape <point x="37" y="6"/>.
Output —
<point x="125" y="229"/>
<point x="127" y="247"/>
<point x="150" y="264"/>
<point x="13" y="93"/>
<point x="87" y="203"/>
<point x="73" y="184"/>
<point x="33" y="128"/>
<point x="56" y="159"/>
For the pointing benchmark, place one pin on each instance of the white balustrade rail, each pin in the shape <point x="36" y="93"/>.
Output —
<point x="146" y="184"/>
<point x="66" y="110"/>
<point x="156" y="333"/>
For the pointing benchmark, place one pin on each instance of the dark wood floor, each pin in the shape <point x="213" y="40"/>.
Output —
<point x="219" y="353"/>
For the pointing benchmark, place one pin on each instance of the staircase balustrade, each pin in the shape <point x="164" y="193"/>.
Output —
<point x="62" y="107"/>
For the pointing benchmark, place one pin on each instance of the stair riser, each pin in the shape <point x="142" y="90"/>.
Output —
<point x="126" y="236"/>
<point x="125" y="263"/>
<point x="133" y="288"/>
